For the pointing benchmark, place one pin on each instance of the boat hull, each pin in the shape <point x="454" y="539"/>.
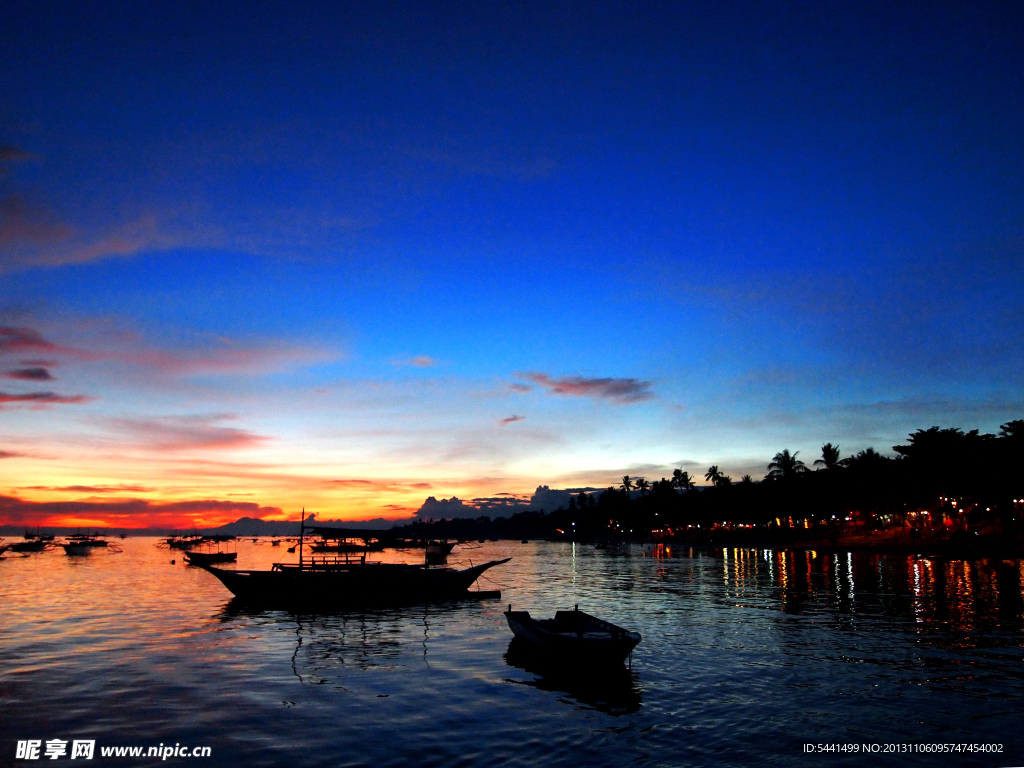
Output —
<point x="372" y="584"/>
<point x="574" y="638"/>
<point x="208" y="558"/>
<point x="36" y="545"/>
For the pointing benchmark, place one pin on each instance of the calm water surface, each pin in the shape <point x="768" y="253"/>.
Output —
<point x="747" y="655"/>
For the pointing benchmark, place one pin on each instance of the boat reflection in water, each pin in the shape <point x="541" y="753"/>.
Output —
<point x="330" y="646"/>
<point x="612" y="690"/>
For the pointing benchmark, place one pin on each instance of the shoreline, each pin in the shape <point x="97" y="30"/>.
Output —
<point x="957" y="546"/>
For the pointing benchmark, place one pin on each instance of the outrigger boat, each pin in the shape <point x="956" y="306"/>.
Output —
<point x="182" y="542"/>
<point x="574" y="637"/>
<point x="340" y="540"/>
<point x="207" y="558"/>
<point x="213" y="549"/>
<point x="31" y="545"/>
<point x="84" y="544"/>
<point x="348" y="580"/>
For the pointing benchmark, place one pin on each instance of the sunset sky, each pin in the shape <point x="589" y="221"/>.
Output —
<point x="257" y="257"/>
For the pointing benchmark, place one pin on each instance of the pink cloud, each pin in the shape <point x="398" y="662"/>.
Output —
<point x="24" y="339"/>
<point x="43" y="399"/>
<point x="111" y="343"/>
<point x="511" y="419"/>
<point x="618" y="390"/>
<point x="517" y="387"/>
<point x="420" y="361"/>
<point x="225" y="358"/>
<point x="182" y="433"/>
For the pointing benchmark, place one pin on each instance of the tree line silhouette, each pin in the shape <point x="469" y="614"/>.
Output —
<point x="977" y="478"/>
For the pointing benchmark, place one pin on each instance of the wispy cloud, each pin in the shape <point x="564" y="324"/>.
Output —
<point x="20" y="340"/>
<point x="29" y="374"/>
<point x="10" y="455"/>
<point x="223" y="359"/>
<point x="511" y="419"/>
<point x="419" y="361"/>
<point x="182" y="433"/>
<point x="42" y="399"/>
<point x="91" y="488"/>
<point x="617" y="390"/>
<point x="22" y="222"/>
<point x="376" y="485"/>
<point x="517" y="387"/>
<point x="106" y="340"/>
<point x="34" y="237"/>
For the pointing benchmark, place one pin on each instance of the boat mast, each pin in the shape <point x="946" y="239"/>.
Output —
<point x="302" y="534"/>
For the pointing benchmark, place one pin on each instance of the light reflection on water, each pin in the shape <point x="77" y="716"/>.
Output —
<point x="747" y="654"/>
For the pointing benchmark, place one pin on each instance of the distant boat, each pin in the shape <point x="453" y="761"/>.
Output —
<point x="574" y="637"/>
<point x="182" y="542"/>
<point x="212" y="549"/>
<point x="88" y="540"/>
<point x="436" y="552"/>
<point x="83" y="544"/>
<point x="339" y="540"/>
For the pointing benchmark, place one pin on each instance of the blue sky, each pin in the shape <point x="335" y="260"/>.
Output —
<point x="355" y="254"/>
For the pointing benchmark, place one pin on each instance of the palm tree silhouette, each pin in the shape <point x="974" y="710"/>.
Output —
<point x="829" y="456"/>
<point x="642" y="485"/>
<point x="627" y="483"/>
<point x="682" y="480"/>
<point x="869" y="457"/>
<point x="786" y="465"/>
<point x="713" y="474"/>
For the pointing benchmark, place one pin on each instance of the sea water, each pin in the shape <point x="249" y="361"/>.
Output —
<point x="749" y="657"/>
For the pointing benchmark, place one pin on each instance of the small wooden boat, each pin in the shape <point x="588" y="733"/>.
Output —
<point x="29" y="545"/>
<point x="206" y="558"/>
<point x="76" y="548"/>
<point x="574" y="637"/>
<point x="212" y="549"/>
<point x="87" y="540"/>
